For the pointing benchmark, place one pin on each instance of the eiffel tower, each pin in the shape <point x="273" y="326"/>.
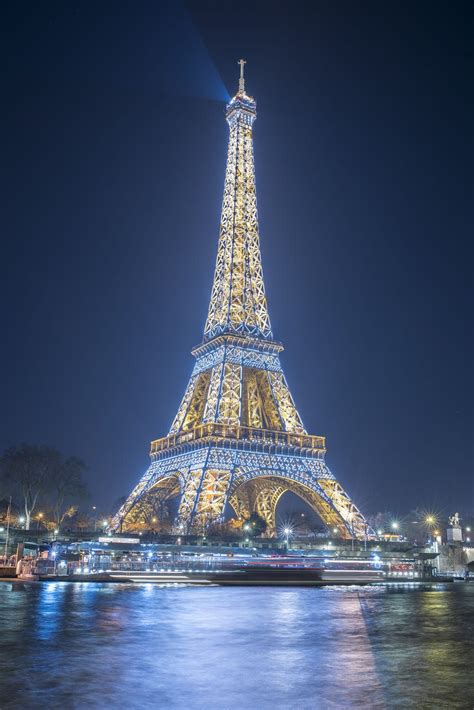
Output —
<point x="238" y="440"/>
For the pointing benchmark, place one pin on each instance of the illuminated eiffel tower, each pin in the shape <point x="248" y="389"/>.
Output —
<point x="237" y="439"/>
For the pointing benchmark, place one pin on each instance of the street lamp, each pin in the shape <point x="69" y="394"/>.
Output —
<point x="288" y="531"/>
<point x="430" y="521"/>
<point x="394" y="525"/>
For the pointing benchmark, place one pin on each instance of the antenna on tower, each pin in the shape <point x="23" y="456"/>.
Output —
<point x="242" y="63"/>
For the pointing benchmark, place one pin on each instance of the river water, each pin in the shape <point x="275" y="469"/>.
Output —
<point x="123" y="646"/>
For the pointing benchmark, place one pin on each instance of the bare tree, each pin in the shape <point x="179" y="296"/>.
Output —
<point x="67" y="487"/>
<point x="28" y="470"/>
<point x="34" y="472"/>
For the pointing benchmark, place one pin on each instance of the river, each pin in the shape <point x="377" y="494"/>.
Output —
<point x="124" y="646"/>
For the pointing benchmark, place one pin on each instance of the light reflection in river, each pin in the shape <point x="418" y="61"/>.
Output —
<point x="123" y="646"/>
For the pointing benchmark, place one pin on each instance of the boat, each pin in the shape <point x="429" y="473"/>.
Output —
<point x="267" y="575"/>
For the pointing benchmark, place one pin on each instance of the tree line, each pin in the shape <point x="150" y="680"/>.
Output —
<point x="37" y="476"/>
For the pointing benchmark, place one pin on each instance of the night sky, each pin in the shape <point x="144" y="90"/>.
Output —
<point x="113" y="160"/>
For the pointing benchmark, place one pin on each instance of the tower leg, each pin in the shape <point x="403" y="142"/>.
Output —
<point x="203" y="499"/>
<point x="241" y="504"/>
<point x="355" y="523"/>
<point x="265" y="506"/>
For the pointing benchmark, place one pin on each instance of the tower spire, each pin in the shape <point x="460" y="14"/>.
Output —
<point x="242" y="63"/>
<point x="238" y="303"/>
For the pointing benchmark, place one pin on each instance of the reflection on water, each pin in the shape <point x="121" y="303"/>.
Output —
<point x="92" y="645"/>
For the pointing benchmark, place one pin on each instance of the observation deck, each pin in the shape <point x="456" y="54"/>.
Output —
<point x="241" y="437"/>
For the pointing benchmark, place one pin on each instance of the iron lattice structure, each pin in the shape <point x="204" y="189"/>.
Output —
<point x="238" y="438"/>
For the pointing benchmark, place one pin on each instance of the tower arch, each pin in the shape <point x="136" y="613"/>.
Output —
<point x="260" y="492"/>
<point x="151" y="509"/>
